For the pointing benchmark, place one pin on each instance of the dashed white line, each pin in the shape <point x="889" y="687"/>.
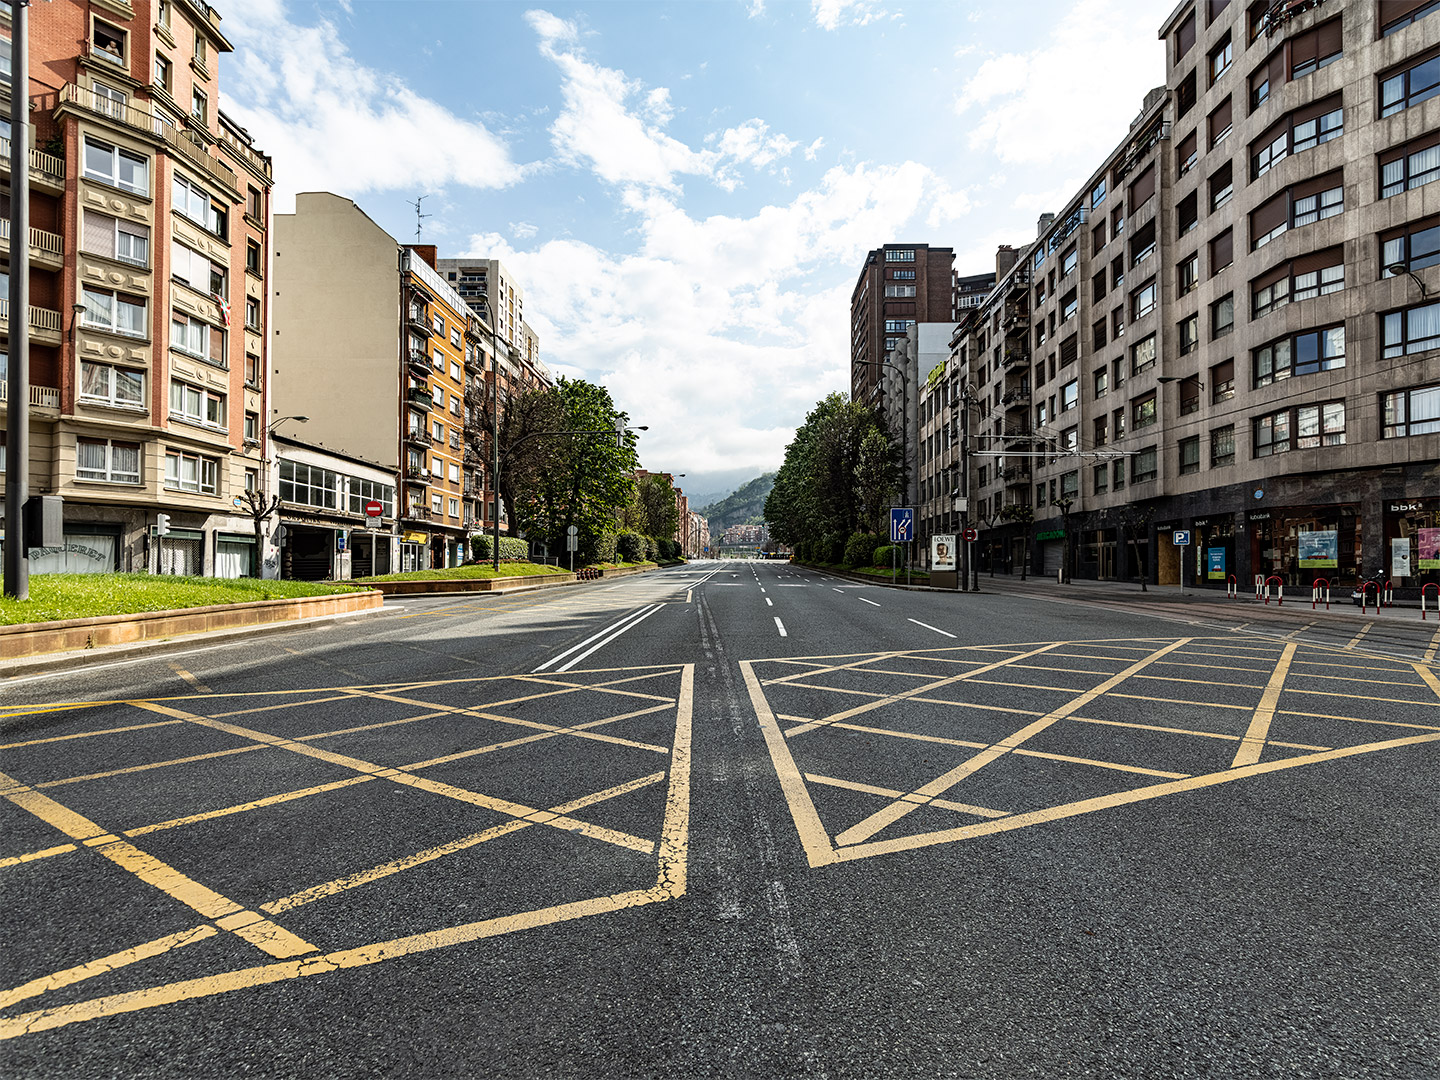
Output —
<point x="769" y="602"/>
<point x="839" y="591"/>
<point x="780" y="626"/>
<point x="864" y="601"/>
<point x="927" y="626"/>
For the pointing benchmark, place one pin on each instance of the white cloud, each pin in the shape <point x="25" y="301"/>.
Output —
<point x="814" y="148"/>
<point x="522" y="230"/>
<point x="321" y="114"/>
<point x="755" y="8"/>
<point x="829" y="14"/>
<point x="1018" y="95"/>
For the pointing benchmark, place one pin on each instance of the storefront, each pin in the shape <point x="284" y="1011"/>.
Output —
<point x="1301" y="544"/>
<point x="1412" y="543"/>
<point x="1214" y="554"/>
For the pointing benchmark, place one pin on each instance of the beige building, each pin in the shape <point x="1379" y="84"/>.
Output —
<point x="1232" y="329"/>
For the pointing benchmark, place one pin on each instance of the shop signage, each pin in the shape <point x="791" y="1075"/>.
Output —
<point x="73" y="549"/>
<point x="1399" y="556"/>
<point x="1265" y="516"/>
<point x="415" y="538"/>
<point x="1409" y="507"/>
<point x="1200" y="521"/>
<point x="1051" y="534"/>
<point x="942" y="552"/>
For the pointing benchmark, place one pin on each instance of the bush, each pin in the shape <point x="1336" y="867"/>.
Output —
<point x="630" y="546"/>
<point x="882" y="555"/>
<point x="512" y="549"/>
<point x="672" y="549"/>
<point x="859" y="549"/>
<point x="652" y="549"/>
<point x="832" y="548"/>
<point x="604" y="548"/>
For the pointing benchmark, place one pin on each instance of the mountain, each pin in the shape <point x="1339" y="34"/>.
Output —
<point x="744" y="505"/>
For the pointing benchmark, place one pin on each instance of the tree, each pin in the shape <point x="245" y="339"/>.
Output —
<point x="1134" y="521"/>
<point x="528" y="437"/>
<point x="659" y="514"/>
<point x="260" y="510"/>
<point x="877" y="477"/>
<point x="1025" y="517"/>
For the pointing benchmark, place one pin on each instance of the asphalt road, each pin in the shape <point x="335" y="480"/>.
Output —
<point x="732" y="819"/>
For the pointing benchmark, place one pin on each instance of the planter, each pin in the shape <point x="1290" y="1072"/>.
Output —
<point x="472" y="585"/>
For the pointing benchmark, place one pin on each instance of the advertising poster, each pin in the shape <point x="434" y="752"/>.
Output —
<point x="1399" y="556"/>
<point x="1319" y="550"/>
<point x="1428" y="541"/>
<point x="942" y="552"/>
<point x="1215" y="560"/>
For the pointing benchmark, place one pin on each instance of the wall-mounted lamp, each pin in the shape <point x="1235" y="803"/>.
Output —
<point x="1396" y="269"/>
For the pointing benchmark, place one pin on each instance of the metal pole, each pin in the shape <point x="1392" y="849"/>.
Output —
<point x="17" y="384"/>
<point x="969" y="555"/>
<point x="495" y="453"/>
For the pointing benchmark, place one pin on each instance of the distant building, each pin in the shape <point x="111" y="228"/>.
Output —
<point x="899" y="285"/>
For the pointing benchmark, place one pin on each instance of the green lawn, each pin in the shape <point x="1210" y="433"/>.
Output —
<point x="617" y="565"/>
<point x="884" y="573"/>
<point x="483" y="570"/>
<point x="83" y="596"/>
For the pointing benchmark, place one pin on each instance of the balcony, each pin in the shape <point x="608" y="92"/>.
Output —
<point x="46" y="248"/>
<point x="416" y="512"/>
<point x="44" y="324"/>
<point x="416" y="476"/>
<point x="418" y="364"/>
<point x="1016" y="474"/>
<point x="41" y="397"/>
<point x="1018" y="397"/>
<point x="46" y="170"/>
<point x="419" y="322"/>
<point x="416" y="437"/>
<point x="1014" y="356"/>
<point x="419" y="395"/>
<point x="455" y="441"/>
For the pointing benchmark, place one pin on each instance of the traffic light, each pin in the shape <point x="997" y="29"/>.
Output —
<point x="162" y="524"/>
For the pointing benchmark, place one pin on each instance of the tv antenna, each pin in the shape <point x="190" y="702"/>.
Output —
<point x="419" y="217"/>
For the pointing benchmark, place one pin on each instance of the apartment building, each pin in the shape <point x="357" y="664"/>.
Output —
<point x="899" y="285"/>
<point x="376" y="350"/>
<point x="148" y="250"/>
<point x="1232" y="328"/>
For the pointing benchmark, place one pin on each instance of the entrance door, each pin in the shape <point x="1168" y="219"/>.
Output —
<point x="1105" y="559"/>
<point x="308" y="552"/>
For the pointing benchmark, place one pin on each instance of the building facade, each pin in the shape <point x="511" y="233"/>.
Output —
<point x="1231" y="331"/>
<point x="899" y="285"/>
<point x="148" y="253"/>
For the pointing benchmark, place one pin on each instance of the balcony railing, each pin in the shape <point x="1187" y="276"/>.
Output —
<point x="196" y="155"/>
<point x="40" y="318"/>
<point x="419" y="395"/>
<point x="419" y="363"/>
<point x="417" y="513"/>
<point x="48" y="243"/>
<point x="41" y="397"/>
<point x="139" y="119"/>
<point x="50" y="167"/>
<point x="416" y="437"/>
<point x="250" y="154"/>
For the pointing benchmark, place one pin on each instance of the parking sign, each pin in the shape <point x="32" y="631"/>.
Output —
<point x="902" y="524"/>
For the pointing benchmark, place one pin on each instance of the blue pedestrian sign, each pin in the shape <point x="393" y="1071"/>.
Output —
<point x="1181" y="537"/>
<point x="902" y="524"/>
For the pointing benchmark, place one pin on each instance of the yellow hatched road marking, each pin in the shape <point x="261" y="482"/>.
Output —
<point x="1252" y="745"/>
<point x="1356" y="639"/>
<point x="1181" y="701"/>
<point x="89" y="734"/>
<point x="1191" y="731"/>
<point x="31" y="856"/>
<point x="147" y="767"/>
<point x="1434" y="644"/>
<point x="1358" y="720"/>
<point x="889" y="793"/>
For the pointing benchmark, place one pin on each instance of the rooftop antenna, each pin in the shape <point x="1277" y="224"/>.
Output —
<point x="419" y="217"/>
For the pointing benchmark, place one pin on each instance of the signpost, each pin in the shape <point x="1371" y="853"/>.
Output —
<point x="1181" y="539"/>
<point x="572" y="541"/>
<point x="373" y="510"/>
<point x="902" y="531"/>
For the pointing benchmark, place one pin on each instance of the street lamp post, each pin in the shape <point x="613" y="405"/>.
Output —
<point x="17" y="460"/>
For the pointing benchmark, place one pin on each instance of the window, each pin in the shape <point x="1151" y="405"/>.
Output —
<point x="101" y="384"/>
<point x="1040" y="490"/>
<point x="1303" y="204"/>
<point x="1185" y="37"/>
<point x="1312" y="275"/>
<point x="1413" y="246"/>
<point x="164" y="74"/>
<point x="118" y="168"/>
<point x="1189" y="395"/>
<point x="436" y="503"/>
<point x="1142" y="245"/>
<point x="1189" y="333"/>
<point x="1185" y="94"/>
<point x="1187" y="274"/>
<point x="1143" y="412"/>
<point x="1410" y="412"/>
<point x="199" y="49"/>
<point x="899" y="290"/>
<point x="1411" y="330"/>
<point x="1142" y="355"/>
<point x="1143" y="189"/>
<point x="1222" y="316"/>
<point x="1222" y="187"/>
<point x="191" y="472"/>
<point x="1222" y="381"/>
<point x="252" y="257"/>
<point x="902" y="275"/>
<point x="195" y="203"/>
<point x="252" y="480"/>
<point x="1097" y="194"/>
<point x="308" y="485"/>
<point x="897" y="326"/>
<point x="1401" y="13"/>
<point x="199" y="105"/>
<point x="252" y="370"/>
<point x="1190" y="455"/>
<point x="197" y="338"/>
<point x="1069" y="484"/>
<point x="1411" y="165"/>
<point x="1102" y="382"/>
<point x="252" y="313"/>
<point x="108" y="42"/>
<point x="1222" y="251"/>
<point x="1187" y="152"/>
<point x="894" y="255"/>
<point x="1187" y="213"/>
<point x="1117" y="472"/>
<point x="1142" y="301"/>
<point x="252" y="427"/>
<point x="107" y="460"/>
<point x="1069" y="395"/>
<point x="1266" y="78"/>
<point x="115" y="239"/>
<point x="115" y="313"/>
<point x="1221" y="58"/>
<point x="1302" y="427"/>
<point x="1098" y="334"/>
<point x="1069" y="305"/>
<point x="1302" y="130"/>
<point x="198" y="272"/>
<point x="1323" y="204"/>
<point x="1313" y="283"/>
<point x="1117" y="323"/>
<point x="1069" y="260"/>
<point x="1102" y="430"/>
<point x="455" y="371"/>
<point x="1117" y="221"/>
<point x="1101" y="481"/>
<point x="437" y="429"/>
<point x="1302" y="354"/>
<point x="1219" y="124"/>
<point x="362" y="491"/>
<point x="1222" y="446"/>
<point x="252" y="204"/>
<point x="1315" y="49"/>
<point x="196" y="405"/>
<point x="1147" y="466"/>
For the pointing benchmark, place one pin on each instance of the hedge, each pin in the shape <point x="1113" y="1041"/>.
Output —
<point x="512" y="548"/>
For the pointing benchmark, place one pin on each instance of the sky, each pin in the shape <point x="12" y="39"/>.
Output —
<point x="686" y="191"/>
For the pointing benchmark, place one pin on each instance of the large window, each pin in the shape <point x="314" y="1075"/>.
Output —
<point x="1222" y="446"/>
<point x="1412" y="165"/>
<point x="198" y="339"/>
<point x="196" y="204"/>
<point x="1142" y="355"/>
<point x="197" y="271"/>
<point x="119" y="168"/>
<point x="1302" y="354"/>
<point x="1303" y="204"/>
<point x="1411" y="330"/>
<point x="197" y="405"/>
<point x="1418" y="82"/>
<point x="1142" y="301"/>
<point x="1315" y="49"/>
<point x="1401" y="13"/>
<point x="1146" y="467"/>
<point x="1413" y="246"/>
<point x="1143" y="412"/>
<point x="1410" y="412"/>
<point x="1316" y="274"/>
<point x="897" y="255"/>
<point x="362" y="491"/>
<point x="108" y="460"/>
<point x="115" y="313"/>
<point x="115" y="239"/>
<point x="102" y="384"/>
<point x="191" y="472"/>
<point x="308" y="485"/>
<point x="900" y="290"/>
<point x="1302" y="427"/>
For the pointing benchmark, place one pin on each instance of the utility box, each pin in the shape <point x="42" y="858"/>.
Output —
<point x="44" y="521"/>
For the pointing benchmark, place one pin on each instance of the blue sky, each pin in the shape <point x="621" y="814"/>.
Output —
<point x="686" y="190"/>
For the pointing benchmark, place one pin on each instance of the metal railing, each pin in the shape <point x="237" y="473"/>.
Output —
<point x="48" y="242"/>
<point x="47" y="165"/>
<point x="40" y="318"/>
<point x="250" y="154"/>
<point x="41" y="397"/>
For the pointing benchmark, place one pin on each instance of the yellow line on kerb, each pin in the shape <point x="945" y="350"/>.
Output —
<point x="1252" y="743"/>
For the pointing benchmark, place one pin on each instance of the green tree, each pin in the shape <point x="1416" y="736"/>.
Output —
<point x="877" y="477"/>
<point x="657" y="503"/>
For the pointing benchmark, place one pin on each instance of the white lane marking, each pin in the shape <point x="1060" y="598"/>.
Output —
<point x="601" y="644"/>
<point x="769" y="602"/>
<point x="587" y="641"/>
<point x="792" y="586"/>
<point x="836" y="590"/>
<point x="762" y="588"/>
<point x="780" y="626"/>
<point x="864" y="601"/>
<point x="927" y="626"/>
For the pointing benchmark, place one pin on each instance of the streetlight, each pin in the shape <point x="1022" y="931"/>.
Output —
<point x="17" y="461"/>
<point x="1396" y="269"/>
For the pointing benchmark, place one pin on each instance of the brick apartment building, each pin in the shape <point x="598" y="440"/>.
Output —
<point x="899" y="285"/>
<point x="148" y="254"/>
<point x="1233" y="327"/>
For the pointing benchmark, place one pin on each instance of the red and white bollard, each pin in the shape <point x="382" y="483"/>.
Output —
<point x="1232" y="588"/>
<point x="1320" y="589"/>
<point x="1279" y="589"/>
<point x="1424" y="591"/>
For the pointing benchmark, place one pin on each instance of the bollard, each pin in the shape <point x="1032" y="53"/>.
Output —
<point x="1232" y="588"/>
<point x="1259" y="586"/>
<point x="1424" y="591"/>
<point x="1279" y="589"/>
<point x="1389" y="594"/>
<point x="1365" y="587"/>
<point x="1316" y="591"/>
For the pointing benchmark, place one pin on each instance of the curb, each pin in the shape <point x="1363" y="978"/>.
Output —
<point x="879" y="582"/>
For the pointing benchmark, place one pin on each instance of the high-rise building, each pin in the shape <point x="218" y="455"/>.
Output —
<point x="148" y="254"/>
<point x="899" y="285"/>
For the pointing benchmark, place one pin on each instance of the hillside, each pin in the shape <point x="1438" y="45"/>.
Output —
<point x="744" y="505"/>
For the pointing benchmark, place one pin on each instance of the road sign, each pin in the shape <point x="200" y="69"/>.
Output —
<point x="573" y="530"/>
<point x="373" y="509"/>
<point x="1180" y="537"/>
<point x="971" y="535"/>
<point x="572" y="538"/>
<point x="902" y="524"/>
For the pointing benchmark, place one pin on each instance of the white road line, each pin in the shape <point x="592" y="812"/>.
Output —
<point x="927" y="626"/>
<point x="780" y="626"/>
<point x="837" y="590"/>
<point x="769" y="602"/>
<point x="600" y="644"/>
<point x="587" y="641"/>
<point x="864" y="601"/>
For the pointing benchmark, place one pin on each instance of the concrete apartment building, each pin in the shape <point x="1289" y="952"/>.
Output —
<point x="1233" y="328"/>
<point x="148" y="250"/>
<point x="377" y="351"/>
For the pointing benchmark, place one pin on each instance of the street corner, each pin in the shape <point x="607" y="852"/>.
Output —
<point x="892" y="751"/>
<point x="162" y="850"/>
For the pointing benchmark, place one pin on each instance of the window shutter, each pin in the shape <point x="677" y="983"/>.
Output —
<point x="1270" y="214"/>
<point x="1187" y="148"/>
<point x="217" y="345"/>
<point x="1216" y="7"/>
<point x="1220" y="119"/>
<point x="1395" y="153"/>
<point x="1303" y="48"/>
<point x="1270" y="277"/>
<point x="1317" y="108"/>
<point x="1315" y="185"/>
<point x="1329" y="39"/>
<point x="1318" y="260"/>
<point x="1393" y="11"/>
<point x="1142" y="189"/>
<point x="98" y="234"/>
<point x="1185" y="36"/>
<point x="1222" y="249"/>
